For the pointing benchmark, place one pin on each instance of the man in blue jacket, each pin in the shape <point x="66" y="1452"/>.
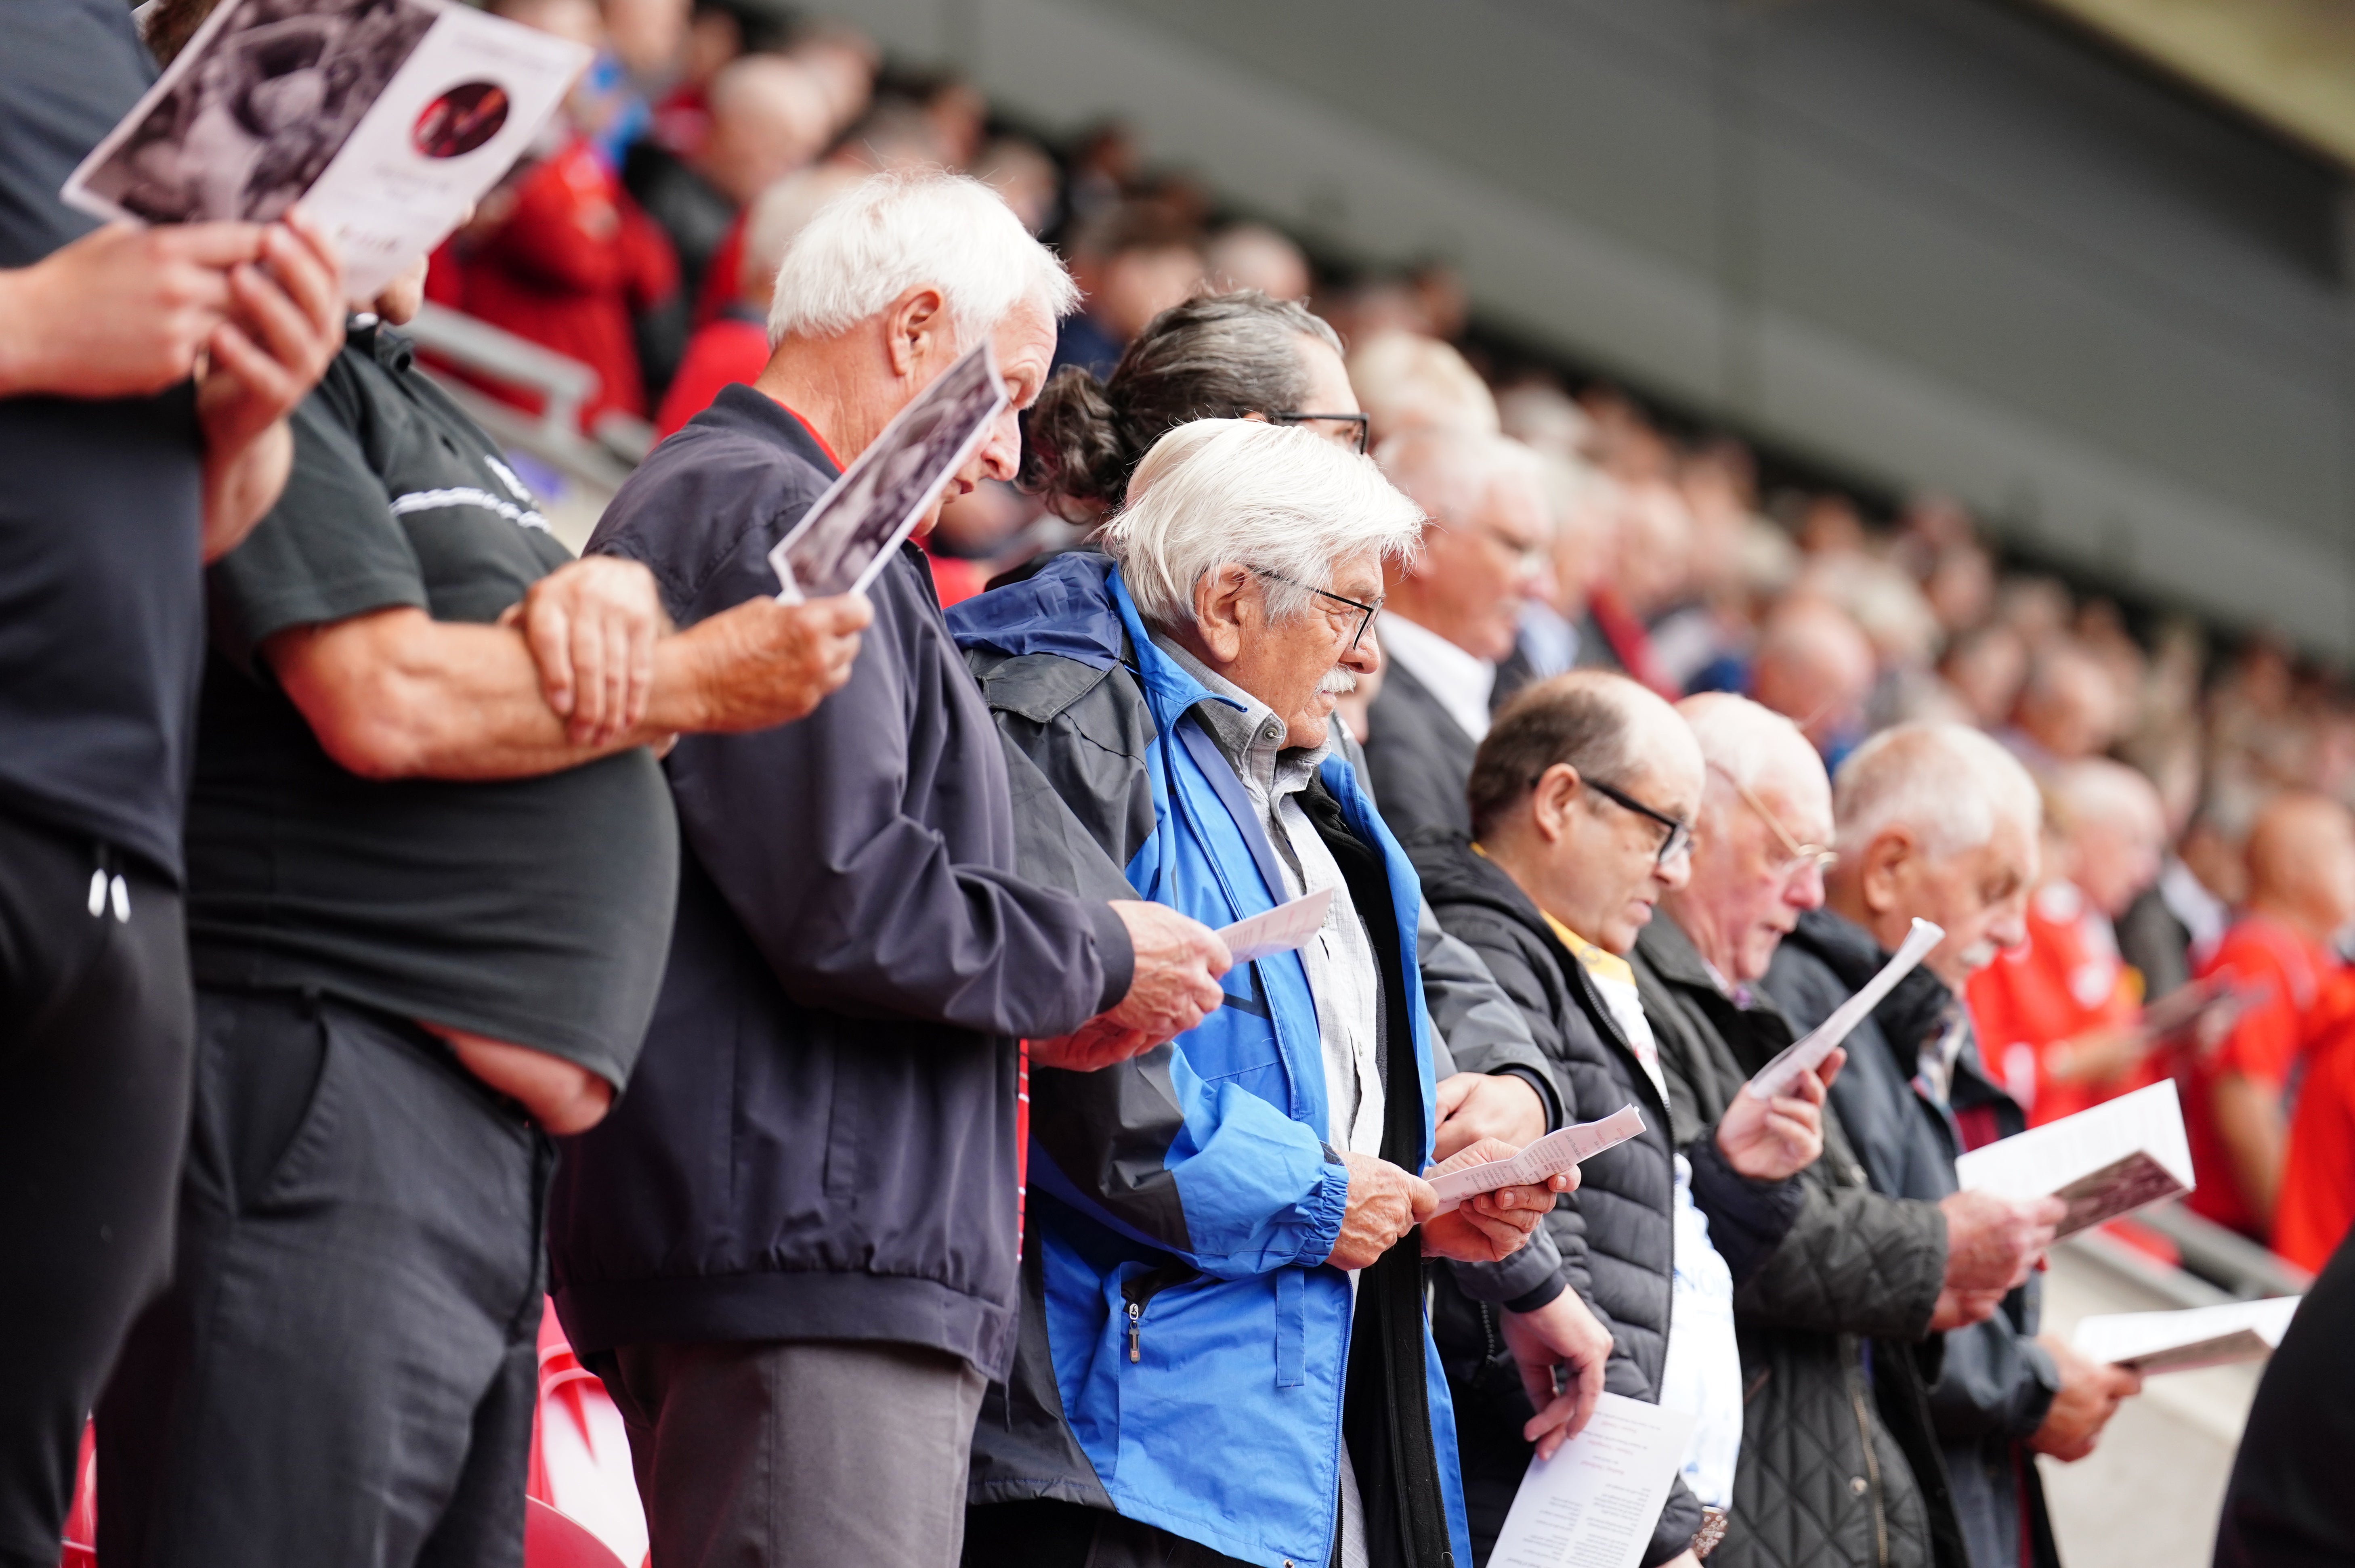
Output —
<point x="790" y="1251"/>
<point x="1240" y="1366"/>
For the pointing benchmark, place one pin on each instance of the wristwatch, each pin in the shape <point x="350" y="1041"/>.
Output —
<point x="1712" y="1530"/>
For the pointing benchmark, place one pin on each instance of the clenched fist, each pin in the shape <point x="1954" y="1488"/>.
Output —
<point x="1992" y="1242"/>
<point x="764" y="664"/>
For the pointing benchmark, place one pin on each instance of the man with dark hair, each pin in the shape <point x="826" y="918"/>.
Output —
<point x="1580" y="793"/>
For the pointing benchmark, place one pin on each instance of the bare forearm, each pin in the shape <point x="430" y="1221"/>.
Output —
<point x="2250" y="1122"/>
<point x="241" y="487"/>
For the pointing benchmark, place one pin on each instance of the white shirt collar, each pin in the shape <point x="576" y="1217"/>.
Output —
<point x="1461" y="682"/>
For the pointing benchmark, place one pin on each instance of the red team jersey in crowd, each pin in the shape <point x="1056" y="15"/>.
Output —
<point x="730" y="348"/>
<point x="2263" y="1046"/>
<point x="2318" y="1192"/>
<point x="2065" y="980"/>
<point x="567" y="267"/>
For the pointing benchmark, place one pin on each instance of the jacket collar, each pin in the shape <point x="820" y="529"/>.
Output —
<point x="1672" y="955"/>
<point x="1064" y="608"/>
<point x="742" y="409"/>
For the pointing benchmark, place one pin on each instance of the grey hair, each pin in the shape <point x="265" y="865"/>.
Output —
<point x="1945" y="783"/>
<point x="1451" y="473"/>
<point x="902" y="230"/>
<point x="1278" y="499"/>
<point x="1753" y="745"/>
<point x="1214" y="357"/>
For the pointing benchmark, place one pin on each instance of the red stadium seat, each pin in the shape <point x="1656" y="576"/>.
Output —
<point x="552" y="1541"/>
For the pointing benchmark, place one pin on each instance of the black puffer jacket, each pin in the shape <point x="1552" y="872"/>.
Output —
<point x="1995" y="1382"/>
<point x="1830" y="1476"/>
<point x="1616" y="1233"/>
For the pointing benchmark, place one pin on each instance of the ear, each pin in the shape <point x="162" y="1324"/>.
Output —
<point x="1886" y="861"/>
<point x="1226" y="611"/>
<point x="1555" y="796"/>
<point x="918" y="328"/>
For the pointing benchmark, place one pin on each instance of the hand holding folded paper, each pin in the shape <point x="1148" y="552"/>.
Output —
<point x="2110" y="1161"/>
<point x="1807" y="1052"/>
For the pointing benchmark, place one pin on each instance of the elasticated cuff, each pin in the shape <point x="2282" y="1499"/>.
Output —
<point x="1116" y="952"/>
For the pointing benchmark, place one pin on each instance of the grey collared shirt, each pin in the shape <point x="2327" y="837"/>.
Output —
<point x="1343" y="976"/>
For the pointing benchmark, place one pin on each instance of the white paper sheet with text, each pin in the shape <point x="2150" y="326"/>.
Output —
<point x="1807" y="1052"/>
<point x="2196" y="1337"/>
<point x="2109" y="1161"/>
<point x="1278" y="930"/>
<point x="1594" y="1504"/>
<point x="1556" y="1152"/>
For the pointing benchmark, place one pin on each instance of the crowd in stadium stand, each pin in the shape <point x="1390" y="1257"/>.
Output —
<point x="402" y="920"/>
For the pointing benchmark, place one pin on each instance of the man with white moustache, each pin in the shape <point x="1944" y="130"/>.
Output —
<point x="1939" y="823"/>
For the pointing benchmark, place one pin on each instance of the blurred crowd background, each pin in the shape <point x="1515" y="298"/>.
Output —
<point x="640" y="238"/>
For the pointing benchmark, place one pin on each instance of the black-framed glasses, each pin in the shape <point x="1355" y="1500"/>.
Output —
<point x="1679" y="839"/>
<point x="1364" y="621"/>
<point x="1361" y="426"/>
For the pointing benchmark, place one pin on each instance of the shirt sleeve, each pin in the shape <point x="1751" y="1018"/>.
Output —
<point x="329" y="550"/>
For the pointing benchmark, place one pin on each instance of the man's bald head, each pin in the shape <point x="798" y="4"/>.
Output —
<point x="2116" y="830"/>
<point x="2070" y="704"/>
<point x="1766" y="815"/>
<point x="1814" y="667"/>
<point x="2301" y="862"/>
<point x="1940" y="823"/>
<point x="769" y="118"/>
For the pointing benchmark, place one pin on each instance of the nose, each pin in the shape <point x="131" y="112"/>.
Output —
<point x="1001" y="454"/>
<point x="1806" y="891"/>
<point x="1366" y="658"/>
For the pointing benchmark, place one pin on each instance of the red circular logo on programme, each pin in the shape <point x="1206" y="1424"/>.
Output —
<point x="461" y="119"/>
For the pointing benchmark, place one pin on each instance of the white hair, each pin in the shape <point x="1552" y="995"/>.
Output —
<point x="1450" y="474"/>
<point x="903" y="230"/>
<point x="1279" y="499"/>
<point x="1945" y="783"/>
<point x="1753" y="745"/>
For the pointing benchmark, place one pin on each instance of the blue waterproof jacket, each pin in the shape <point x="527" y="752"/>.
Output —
<point x="1183" y="1202"/>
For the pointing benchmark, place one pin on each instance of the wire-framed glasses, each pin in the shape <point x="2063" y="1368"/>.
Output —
<point x="1796" y="853"/>
<point x="1367" y="611"/>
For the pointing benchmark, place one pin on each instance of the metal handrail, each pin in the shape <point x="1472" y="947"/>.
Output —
<point x="564" y="384"/>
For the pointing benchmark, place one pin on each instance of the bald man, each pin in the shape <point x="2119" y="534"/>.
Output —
<point x="1452" y="613"/>
<point x="1815" y="669"/>
<point x="2057" y="1017"/>
<point x="1939" y="823"/>
<point x="1857" y="1267"/>
<point x="2069" y="708"/>
<point x="2301" y="892"/>
<point x="769" y="117"/>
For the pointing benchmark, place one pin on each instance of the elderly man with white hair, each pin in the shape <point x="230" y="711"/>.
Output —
<point x="791" y="1250"/>
<point x="1827" y="1473"/>
<point x="1230" y="1360"/>
<point x="1455" y="613"/>
<point x="1938" y="821"/>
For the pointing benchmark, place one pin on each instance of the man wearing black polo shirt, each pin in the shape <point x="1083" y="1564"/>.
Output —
<point x="432" y="868"/>
<point x="145" y="376"/>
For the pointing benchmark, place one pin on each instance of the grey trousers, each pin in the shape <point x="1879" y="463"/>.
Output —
<point x="798" y="1453"/>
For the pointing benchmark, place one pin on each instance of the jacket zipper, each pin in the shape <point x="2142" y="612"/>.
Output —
<point x="1871" y="1470"/>
<point x="1138" y="1290"/>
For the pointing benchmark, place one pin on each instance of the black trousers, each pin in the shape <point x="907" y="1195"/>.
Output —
<point x="345" y="1367"/>
<point x="1044" y="1533"/>
<point x="94" y="1027"/>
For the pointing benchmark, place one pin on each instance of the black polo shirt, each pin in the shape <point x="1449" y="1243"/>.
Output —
<point x="531" y="910"/>
<point x="100" y="502"/>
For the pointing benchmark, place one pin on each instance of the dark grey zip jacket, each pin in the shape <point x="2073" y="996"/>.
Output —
<point x="819" y="1140"/>
<point x="1616" y="1233"/>
<point x="1838" y="1469"/>
<point x="1996" y="1384"/>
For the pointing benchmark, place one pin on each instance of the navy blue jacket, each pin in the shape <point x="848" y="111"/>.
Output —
<point x="820" y="1139"/>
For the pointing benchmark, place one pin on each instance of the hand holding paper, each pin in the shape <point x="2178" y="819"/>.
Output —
<point x="1807" y="1052"/>
<point x="1278" y="930"/>
<point x="2104" y="1163"/>
<point x="1553" y="1155"/>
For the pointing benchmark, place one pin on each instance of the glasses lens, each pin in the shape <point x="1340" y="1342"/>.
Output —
<point x="1679" y="844"/>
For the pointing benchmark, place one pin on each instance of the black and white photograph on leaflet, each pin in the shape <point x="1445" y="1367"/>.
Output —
<point x="387" y="119"/>
<point x="893" y="485"/>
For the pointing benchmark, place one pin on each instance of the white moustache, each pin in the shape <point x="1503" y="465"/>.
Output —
<point x="1979" y="955"/>
<point x="1339" y="679"/>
